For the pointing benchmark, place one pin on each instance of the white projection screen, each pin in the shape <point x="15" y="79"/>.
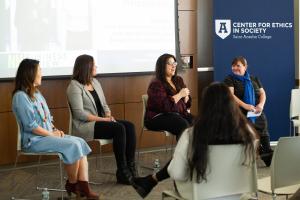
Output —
<point x="124" y="36"/>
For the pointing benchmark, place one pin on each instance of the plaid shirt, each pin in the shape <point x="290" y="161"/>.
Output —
<point x="160" y="98"/>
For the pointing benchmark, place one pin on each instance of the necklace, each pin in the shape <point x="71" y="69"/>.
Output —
<point x="44" y="119"/>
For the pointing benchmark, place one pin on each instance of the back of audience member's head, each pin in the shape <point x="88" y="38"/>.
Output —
<point x="25" y="77"/>
<point x="83" y="68"/>
<point x="220" y="122"/>
<point x="161" y="64"/>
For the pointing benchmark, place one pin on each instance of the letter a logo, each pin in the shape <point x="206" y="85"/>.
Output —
<point x="223" y="27"/>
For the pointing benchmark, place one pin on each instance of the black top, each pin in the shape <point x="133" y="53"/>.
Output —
<point x="239" y="87"/>
<point x="261" y="122"/>
<point x="100" y="109"/>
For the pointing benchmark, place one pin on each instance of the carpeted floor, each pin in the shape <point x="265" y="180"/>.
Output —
<point x="21" y="183"/>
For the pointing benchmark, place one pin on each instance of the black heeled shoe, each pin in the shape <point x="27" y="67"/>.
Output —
<point x="124" y="176"/>
<point x="132" y="169"/>
<point x="144" y="185"/>
<point x="267" y="158"/>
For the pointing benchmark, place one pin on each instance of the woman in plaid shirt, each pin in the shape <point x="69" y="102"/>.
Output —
<point x="167" y="109"/>
<point x="168" y="99"/>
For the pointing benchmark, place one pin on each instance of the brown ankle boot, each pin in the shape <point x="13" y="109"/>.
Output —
<point x="85" y="190"/>
<point x="71" y="188"/>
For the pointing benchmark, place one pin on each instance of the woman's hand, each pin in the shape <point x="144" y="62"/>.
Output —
<point x="186" y="99"/>
<point x="57" y="133"/>
<point x="107" y="119"/>
<point x="112" y="119"/>
<point x="249" y="107"/>
<point x="184" y="92"/>
<point x="258" y="108"/>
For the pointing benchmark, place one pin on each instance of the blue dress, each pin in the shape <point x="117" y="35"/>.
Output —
<point x="33" y="113"/>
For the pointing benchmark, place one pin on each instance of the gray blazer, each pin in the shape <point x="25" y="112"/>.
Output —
<point x="82" y="104"/>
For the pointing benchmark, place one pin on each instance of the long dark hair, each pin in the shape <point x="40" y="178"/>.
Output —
<point x="160" y="71"/>
<point x="83" y="68"/>
<point x="25" y="77"/>
<point x="220" y="122"/>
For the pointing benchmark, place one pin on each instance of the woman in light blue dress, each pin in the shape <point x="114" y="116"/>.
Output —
<point x="38" y="134"/>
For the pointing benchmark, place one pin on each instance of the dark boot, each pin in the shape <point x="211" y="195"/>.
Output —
<point x="267" y="158"/>
<point x="71" y="188"/>
<point x="144" y="185"/>
<point x="265" y="151"/>
<point x="85" y="190"/>
<point x="124" y="176"/>
<point x="132" y="169"/>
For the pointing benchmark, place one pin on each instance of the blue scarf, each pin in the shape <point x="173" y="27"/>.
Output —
<point x="249" y="96"/>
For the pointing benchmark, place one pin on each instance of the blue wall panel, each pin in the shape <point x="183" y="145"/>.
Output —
<point x="262" y="32"/>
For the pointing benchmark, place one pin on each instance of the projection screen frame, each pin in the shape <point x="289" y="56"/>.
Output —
<point x="119" y="74"/>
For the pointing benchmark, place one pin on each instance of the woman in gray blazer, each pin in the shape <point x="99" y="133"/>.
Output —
<point x="92" y="118"/>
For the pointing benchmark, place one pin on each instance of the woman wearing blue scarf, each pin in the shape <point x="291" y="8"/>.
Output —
<point x="250" y="96"/>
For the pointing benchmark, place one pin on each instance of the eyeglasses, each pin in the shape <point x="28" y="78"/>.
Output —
<point x="173" y="63"/>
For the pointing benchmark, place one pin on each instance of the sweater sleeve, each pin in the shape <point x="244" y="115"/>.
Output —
<point x="24" y="111"/>
<point x="159" y="100"/>
<point x="229" y="81"/>
<point x="74" y="94"/>
<point x="183" y="85"/>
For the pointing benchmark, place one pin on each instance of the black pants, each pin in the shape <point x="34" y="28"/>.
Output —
<point x="171" y="122"/>
<point x="175" y="124"/>
<point x="124" y="139"/>
<point x="261" y="127"/>
<point x="163" y="173"/>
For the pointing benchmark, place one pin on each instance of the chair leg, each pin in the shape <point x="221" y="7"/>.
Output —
<point x="97" y="157"/>
<point x="98" y="166"/>
<point x="15" y="166"/>
<point x="290" y="128"/>
<point x="139" y="150"/>
<point x="172" y="145"/>
<point x="61" y="189"/>
<point x="38" y="170"/>
<point x="16" y="161"/>
<point x="61" y="179"/>
<point x="139" y="165"/>
<point x="274" y="196"/>
<point x="163" y="196"/>
<point x="166" y="147"/>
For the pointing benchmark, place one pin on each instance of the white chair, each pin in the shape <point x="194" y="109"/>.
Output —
<point x="227" y="176"/>
<point x="295" y="110"/>
<point x="20" y="152"/>
<point x="166" y="133"/>
<point x="285" y="169"/>
<point x="100" y="142"/>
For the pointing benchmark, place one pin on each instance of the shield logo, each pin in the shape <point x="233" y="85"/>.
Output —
<point x="223" y="27"/>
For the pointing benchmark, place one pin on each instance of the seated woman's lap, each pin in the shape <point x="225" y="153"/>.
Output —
<point x="171" y="122"/>
<point x="108" y="130"/>
<point x="71" y="148"/>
